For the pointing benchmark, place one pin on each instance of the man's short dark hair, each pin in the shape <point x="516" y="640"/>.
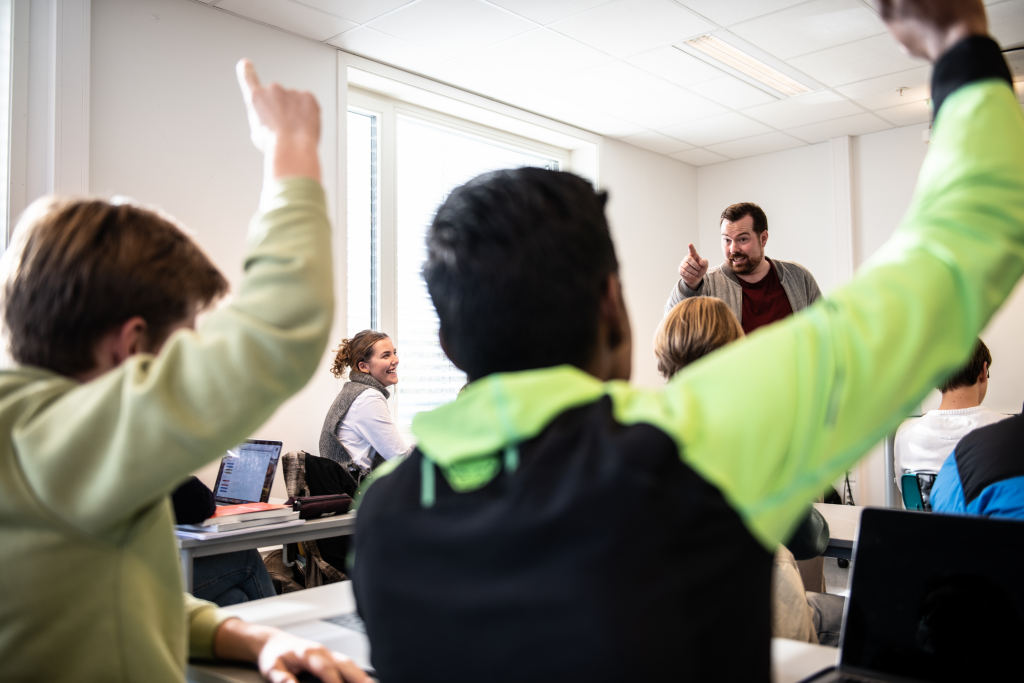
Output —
<point x="736" y="212"/>
<point x="967" y="376"/>
<point x="517" y="262"/>
<point x="79" y="268"/>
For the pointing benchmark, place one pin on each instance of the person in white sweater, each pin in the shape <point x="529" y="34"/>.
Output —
<point x="924" y="443"/>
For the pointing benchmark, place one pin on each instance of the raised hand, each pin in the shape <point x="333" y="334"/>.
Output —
<point x="927" y="28"/>
<point x="284" y="124"/>
<point x="692" y="268"/>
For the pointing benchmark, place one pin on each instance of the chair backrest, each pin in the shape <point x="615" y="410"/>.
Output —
<point x="325" y="476"/>
<point x="911" y="492"/>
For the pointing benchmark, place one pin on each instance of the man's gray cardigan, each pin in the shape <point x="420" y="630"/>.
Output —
<point x="721" y="283"/>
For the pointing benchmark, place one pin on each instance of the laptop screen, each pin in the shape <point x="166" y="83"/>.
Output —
<point x="247" y="472"/>
<point x="935" y="597"/>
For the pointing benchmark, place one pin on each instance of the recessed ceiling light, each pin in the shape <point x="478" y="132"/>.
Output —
<point x="725" y="53"/>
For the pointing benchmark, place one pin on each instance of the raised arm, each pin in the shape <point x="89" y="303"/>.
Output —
<point x="832" y="380"/>
<point x="98" y="454"/>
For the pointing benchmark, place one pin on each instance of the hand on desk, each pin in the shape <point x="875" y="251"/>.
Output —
<point x="281" y="655"/>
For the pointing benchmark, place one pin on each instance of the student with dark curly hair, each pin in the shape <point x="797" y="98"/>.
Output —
<point x="556" y="523"/>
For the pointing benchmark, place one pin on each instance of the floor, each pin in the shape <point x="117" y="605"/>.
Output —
<point x="837" y="579"/>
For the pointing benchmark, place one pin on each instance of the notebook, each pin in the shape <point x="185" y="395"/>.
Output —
<point x="247" y="473"/>
<point x="933" y="598"/>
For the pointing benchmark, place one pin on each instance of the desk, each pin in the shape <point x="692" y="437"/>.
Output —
<point x="325" y="527"/>
<point x="303" y="614"/>
<point x="843" y="521"/>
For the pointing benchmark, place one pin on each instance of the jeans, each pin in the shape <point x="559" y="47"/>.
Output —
<point x="827" y="615"/>
<point x="231" y="578"/>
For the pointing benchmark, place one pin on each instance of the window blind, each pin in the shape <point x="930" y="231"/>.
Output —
<point x="432" y="161"/>
<point x="363" y="224"/>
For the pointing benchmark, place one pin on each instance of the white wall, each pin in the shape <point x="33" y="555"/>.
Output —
<point x="168" y="127"/>
<point x="795" y="190"/>
<point x="652" y="209"/>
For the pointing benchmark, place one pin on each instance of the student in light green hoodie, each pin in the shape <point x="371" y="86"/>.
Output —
<point x="117" y="397"/>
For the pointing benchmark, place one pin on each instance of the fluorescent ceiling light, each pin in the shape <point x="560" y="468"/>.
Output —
<point x="730" y="56"/>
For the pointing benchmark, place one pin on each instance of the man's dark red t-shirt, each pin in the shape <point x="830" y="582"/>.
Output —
<point x="764" y="301"/>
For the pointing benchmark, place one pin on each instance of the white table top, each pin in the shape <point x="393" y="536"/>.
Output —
<point x="843" y="521"/>
<point x="313" y="529"/>
<point x="302" y="613"/>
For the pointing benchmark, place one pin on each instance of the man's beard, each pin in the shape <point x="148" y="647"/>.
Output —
<point x="747" y="265"/>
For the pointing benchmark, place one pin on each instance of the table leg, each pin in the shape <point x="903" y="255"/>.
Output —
<point x="186" y="568"/>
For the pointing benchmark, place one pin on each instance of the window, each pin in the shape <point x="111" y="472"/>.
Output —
<point x="433" y="161"/>
<point x="363" y="224"/>
<point x="408" y="161"/>
<point x="5" y="111"/>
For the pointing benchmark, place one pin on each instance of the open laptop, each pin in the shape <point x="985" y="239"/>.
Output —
<point x="247" y="473"/>
<point x="933" y="598"/>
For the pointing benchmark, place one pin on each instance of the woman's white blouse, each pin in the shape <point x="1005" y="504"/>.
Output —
<point x="368" y="424"/>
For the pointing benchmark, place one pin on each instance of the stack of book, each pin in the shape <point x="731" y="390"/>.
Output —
<point x="231" y="519"/>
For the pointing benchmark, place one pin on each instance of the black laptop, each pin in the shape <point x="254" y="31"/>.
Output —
<point x="933" y="598"/>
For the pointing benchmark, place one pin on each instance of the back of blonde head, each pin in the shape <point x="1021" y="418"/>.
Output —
<point x="694" y="328"/>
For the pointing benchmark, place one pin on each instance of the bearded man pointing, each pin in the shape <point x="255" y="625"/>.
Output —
<point x="759" y="290"/>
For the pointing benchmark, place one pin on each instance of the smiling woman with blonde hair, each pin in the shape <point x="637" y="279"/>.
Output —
<point x="691" y="330"/>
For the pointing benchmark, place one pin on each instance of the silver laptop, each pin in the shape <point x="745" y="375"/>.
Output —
<point x="247" y="473"/>
<point x="933" y="598"/>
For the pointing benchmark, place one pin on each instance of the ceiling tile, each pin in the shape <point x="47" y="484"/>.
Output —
<point x="599" y="122"/>
<point x="717" y="129"/>
<point x="364" y="41"/>
<point x="732" y="92"/>
<point x="607" y="85"/>
<point x="452" y="27"/>
<point x="656" y="142"/>
<point x="759" y="144"/>
<point x="474" y="79"/>
<point x="804" y="109"/>
<point x="290" y="16"/>
<point x="1006" y="23"/>
<point x="674" y="65"/>
<point x="541" y="54"/>
<point x="867" y="58"/>
<point x="667" y="109"/>
<point x="359" y="11"/>
<point x="699" y="157"/>
<point x="810" y="27"/>
<point x="876" y="93"/>
<point x="546" y="11"/>
<point x="628" y="27"/>
<point x="726" y="13"/>
<point x="859" y="124"/>
<point x="907" y="114"/>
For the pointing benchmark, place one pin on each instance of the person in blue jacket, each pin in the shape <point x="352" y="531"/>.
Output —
<point x="985" y="473"/>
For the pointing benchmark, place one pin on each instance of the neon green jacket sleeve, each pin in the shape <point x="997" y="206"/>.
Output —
<point x="138" y="430"/>
<point x="772" y="419"/>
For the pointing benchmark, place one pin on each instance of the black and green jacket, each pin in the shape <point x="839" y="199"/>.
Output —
<point x="552" y="527"/>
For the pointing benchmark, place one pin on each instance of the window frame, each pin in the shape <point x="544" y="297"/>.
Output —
<point x="388" y="111"/>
